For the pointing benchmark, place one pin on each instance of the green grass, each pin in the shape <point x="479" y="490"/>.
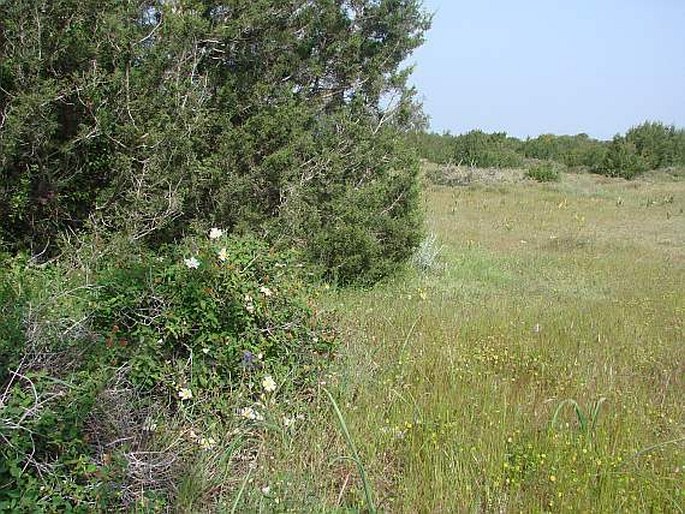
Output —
<point x="539" y="366"/>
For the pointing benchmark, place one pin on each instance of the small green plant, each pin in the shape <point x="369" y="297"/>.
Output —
<point x="587" y="421"/>
<point x="544" y="172"/>
<point x="226" y="306"/>
<point x="425" y="257"/>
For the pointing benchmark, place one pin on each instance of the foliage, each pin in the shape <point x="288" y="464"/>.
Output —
<point x="621" y="160"/>
<point x="117" y="365"/>
<point x="651" y="145"/>
<point x="659" y="145"/>
<point x="544" y="172"/>
<point x="12" y="299"/>
<point x="149" y="117"/>
<point x="241" y="300"/>
<point x="475" y="148"/>
<point x="436" y="148"/>
<point x="573" y="151"/>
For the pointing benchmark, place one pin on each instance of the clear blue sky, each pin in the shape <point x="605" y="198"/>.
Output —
<point x="552" y="66"/>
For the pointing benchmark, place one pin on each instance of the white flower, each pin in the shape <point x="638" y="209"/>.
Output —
<point x="260" y="355"/>
<point x="266" y="291"/>
<point x="266" y="490"/>
<point x="207" y="443"/>
<point x="192" y="263"/>
<point x="249" y="306"/>
<point x="215" y="233"/>
<point x="149" y="425"/>
<point x="205" y="351"/>
<point x="223" y="255"/>
<point x="269" y="384"/>
<point x="185" y="394"/>
<point x="250" y="413"/>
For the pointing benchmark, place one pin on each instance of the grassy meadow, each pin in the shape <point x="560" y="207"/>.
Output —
<point x="537" y="364"/>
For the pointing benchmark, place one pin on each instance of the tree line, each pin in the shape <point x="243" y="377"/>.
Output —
<point x="650" y="145"/>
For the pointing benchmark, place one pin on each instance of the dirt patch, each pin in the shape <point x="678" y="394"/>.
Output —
<point x="450" y="175"/>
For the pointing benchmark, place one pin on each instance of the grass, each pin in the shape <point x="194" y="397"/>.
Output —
<point x="538" y="366"/>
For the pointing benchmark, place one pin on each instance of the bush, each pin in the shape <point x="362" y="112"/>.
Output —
<point x="477" y="148"/>
<point x="147" y="118"/>
<point x="659" y="145"/>
<point x="179" y="346"/>
<point x="621" y="160"/>
<point x="208" y="302"/>
<point x="544" y="172"/>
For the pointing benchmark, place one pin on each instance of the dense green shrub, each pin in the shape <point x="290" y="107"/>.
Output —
<point x="573" y="151"/>
<point x="436" y="148"/>
<point x="12" y="300"/>
<point x="477" y="148"/>
<point x="651" y="145"/>
<point x="544" y="172"/>
<point x="621" y="160"/>
<point x="658" y="145"/>
<point x="149" y="117"/>
<point x="209" y="301"/>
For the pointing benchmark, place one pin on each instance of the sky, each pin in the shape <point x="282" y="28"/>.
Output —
<point x="529" y="67"/>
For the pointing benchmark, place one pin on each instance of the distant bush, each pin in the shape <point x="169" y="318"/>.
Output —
<point x="658" y="145"/>
<point x="621" y="160"/>
<point x="544" y="172"/>
<point x="477" y="148"/>
<point x="436" y="148"/>
<point x="573" y="151"/>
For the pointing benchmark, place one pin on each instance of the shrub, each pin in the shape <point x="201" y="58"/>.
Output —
<point x="209" y="302"/>
<point x="544" y="172"/>
<point x="477" y="148"/>
<point x="659" y="145"/>
<point x="172" y="344"/>
<point x="149" y="117"/>
<point x="621" y="160"/>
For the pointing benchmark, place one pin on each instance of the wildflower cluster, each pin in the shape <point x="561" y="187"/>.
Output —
<point x="214" y="312"/>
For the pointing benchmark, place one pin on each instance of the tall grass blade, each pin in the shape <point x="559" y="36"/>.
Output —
<point x="240" y="492"/>
<point x="355" y="455"/>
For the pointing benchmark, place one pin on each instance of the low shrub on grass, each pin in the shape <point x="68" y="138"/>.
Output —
<point x="112" y="395"/>
<point x="544" y="172"/>
<point x="224" y="306"/>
